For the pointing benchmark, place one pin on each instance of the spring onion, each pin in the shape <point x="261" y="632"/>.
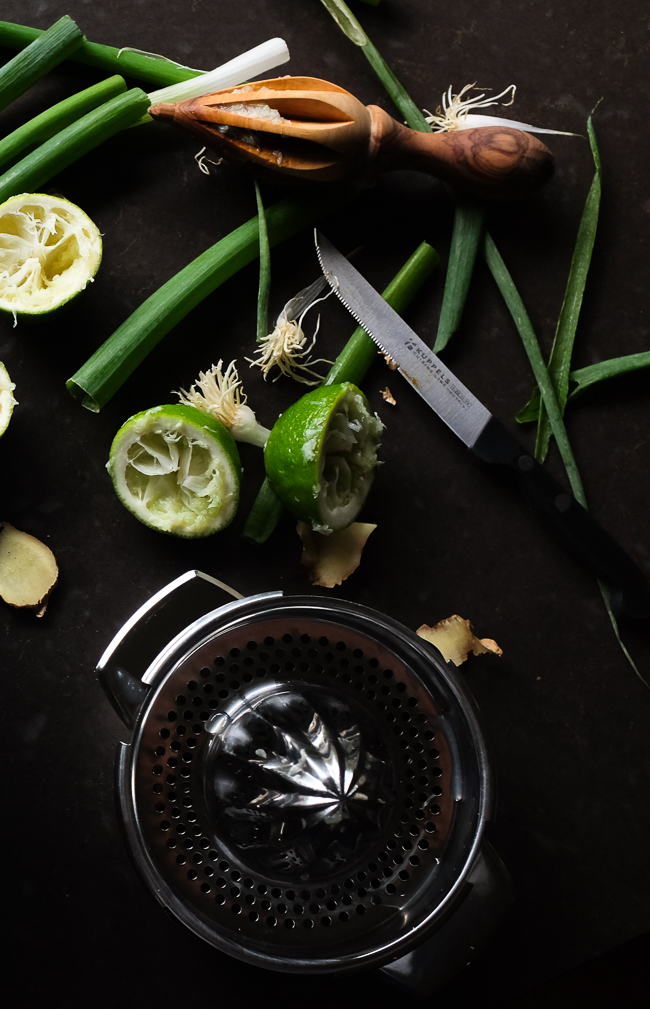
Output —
<point x="524" y="326"/>
<point x="41" y="56"/>
<point x="28" y="175"/>
<point x="109" y="367"/>
<point x="350" y="366"/>
<point x="361" y="350"/>
<point x="583" y="378"/>
<point x="559" y="364"/>
<point x="53" y="120"/>
<point x="287" y="348"/>
<point x="219" y="393"/>
<point x="469" y="224"/>
<point x="265" y="270"/>
<point x="256" y="61"/>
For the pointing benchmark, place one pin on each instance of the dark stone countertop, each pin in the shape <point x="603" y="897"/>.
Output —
<point x="567" y="720"/>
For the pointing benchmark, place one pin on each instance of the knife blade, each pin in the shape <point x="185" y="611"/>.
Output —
<point x="486" y="437"/>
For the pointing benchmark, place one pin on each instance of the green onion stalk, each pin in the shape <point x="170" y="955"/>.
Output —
<point x="40" y="56"/>
<point x="351" y="365"/>
<point x="46" y="125"/>
<point x="60" y="151"/>
<point x="559" y="364"/>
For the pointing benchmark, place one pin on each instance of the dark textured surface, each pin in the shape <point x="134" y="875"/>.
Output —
<point x="568" y="721"/>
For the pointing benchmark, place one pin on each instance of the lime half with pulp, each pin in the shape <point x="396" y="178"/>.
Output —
<point x="7" y="401"/>
<point x="321" y="456"/>
<point x="177" y="470"/>
<point x="49" y="251"/>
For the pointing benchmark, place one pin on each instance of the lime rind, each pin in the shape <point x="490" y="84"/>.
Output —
<point x="7" y="400"/>
<point x="177" y="470"/>
<point x="50" y="250"/>
<point x="321" y="456"/>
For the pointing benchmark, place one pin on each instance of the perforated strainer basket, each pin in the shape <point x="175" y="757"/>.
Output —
<point x="306" y="785"/>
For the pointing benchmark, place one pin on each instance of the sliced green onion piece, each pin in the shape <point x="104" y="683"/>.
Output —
<point x="109" y="367"/>
<point x="350" y="366"/>
<point x="145" y="68"/>
<point x="265" y="270"/>
<point x="559" y="364"/>
<point x="41" y="56"/>
<point x="29" y="175"/>
<point x="53" y="120"/>
<point x="469" y="224"/>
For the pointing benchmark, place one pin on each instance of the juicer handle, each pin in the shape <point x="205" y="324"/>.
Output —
<point x="489" y="893"/>
<point x="134" y="647"/>
<point x="495" y="162"/>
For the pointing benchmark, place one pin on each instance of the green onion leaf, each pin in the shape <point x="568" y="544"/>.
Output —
<point x="346" y="21"/>
<point x="109" y="367"/>
<point x="53" y="120"/>
<point x="41" y="56"/>
<point x="350" y="366"/>
<point x="145" y="68"/>
<point x="559" y="364"/>
<point x="524" y="326"/>
<point x="584" y="377"/>
<point x="28" y="175"/>
<point x="469" y="223"/>
<point x="265" y="270"/>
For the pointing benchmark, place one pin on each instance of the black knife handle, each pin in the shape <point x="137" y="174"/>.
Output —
<point x="569" y="522"/>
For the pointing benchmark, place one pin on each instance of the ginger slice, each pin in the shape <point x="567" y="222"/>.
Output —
<point x="455" y="639"/>
<point x="331" y="559"/>
<point x="28" y="570"/>
<point x="388" y="396"/>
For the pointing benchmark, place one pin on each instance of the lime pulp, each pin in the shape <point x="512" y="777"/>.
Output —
<point x="177" y="470"/>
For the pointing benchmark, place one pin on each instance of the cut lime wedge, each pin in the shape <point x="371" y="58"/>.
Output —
<point x="321" y="456"/>
<point x="7" y="401"/>
<point x="177" y="470"/>
<point x="49" y="251"/>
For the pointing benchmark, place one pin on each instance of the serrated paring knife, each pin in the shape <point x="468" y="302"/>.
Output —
<point x="486" y="437"/>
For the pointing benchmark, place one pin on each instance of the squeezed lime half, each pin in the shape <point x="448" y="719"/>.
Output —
<point x="321" y="456"/>
<point x="177" y="470"/>
<point x="49" y="251"/>
<point x="7" y="401"/>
